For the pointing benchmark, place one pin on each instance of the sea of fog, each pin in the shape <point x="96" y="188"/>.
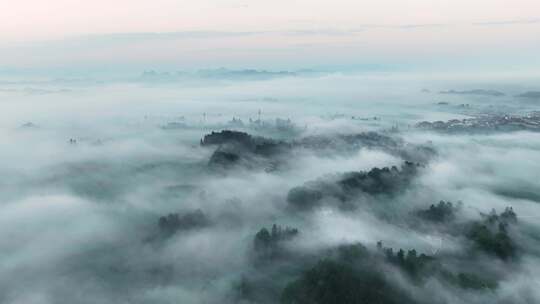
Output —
<point x="88" y="167"/>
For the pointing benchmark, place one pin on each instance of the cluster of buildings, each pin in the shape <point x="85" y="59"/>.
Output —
<point x="489" y="122"/>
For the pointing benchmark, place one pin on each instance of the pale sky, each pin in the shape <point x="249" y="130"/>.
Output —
<point x="54" y="32"/>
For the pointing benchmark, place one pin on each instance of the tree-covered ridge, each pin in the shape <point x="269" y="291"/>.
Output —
<point x="240" y="148"/>
<point x="354" y="274"/>
<point x="337" y="282"/>
<point x="229" y="137"/>
<point x="419" y="267"/>
<point x="348" y="186"/>
<point x="379" y="180"/>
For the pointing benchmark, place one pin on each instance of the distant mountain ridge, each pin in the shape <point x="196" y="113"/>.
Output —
<point x="482" y="92"/>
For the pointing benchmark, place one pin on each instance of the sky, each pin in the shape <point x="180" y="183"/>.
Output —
<point x="267" y="34"/>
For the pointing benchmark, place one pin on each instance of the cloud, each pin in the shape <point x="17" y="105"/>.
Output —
<point x="508" y="22"/>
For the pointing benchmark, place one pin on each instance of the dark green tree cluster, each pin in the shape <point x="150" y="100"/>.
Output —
<point x="492" y="236"/>
<point x="507" y="217"/>
<point x="236" y="147"/>
<point x="243" y="142"/>
<point x="442" y="212"/>
<point x="379" y="180"/>
<point x="411" y="262"/>
<point x="352" y="252"/>
<point x="473" y="281"/>
<point x="227" y="137"/>
<point x="174" y="222"/>
<point x="421" y="266"/>
<point x="268" y="243"/>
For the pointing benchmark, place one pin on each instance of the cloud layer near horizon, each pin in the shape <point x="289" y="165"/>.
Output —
<point x="65" y="33"/>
